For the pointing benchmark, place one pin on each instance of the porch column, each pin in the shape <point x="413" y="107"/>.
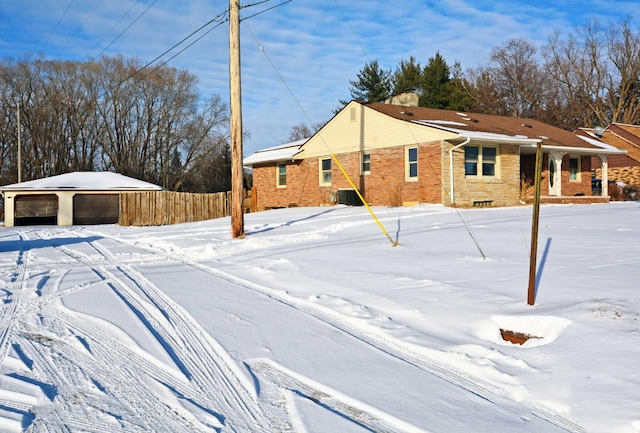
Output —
<point x="605" y="174"/>
<point x="557" y="158"/>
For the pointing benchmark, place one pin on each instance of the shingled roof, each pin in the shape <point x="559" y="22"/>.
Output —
<point x="518" y="128"/>
<point x="626" y="137"/>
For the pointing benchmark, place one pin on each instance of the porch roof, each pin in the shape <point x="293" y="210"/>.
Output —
<point x="282" y="152"/>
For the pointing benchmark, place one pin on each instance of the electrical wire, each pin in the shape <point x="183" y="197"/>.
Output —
<point x="56" y="26"/>
<point x="182" y="50"/>
<point x="355" y="35"/>
<point x="437" y="175"/>
<point x="416" y="142"/>
<point x="333" y="156"/>
<point x="79" y="27"/>
<point x="113" y="27"/>
<point x="265" y="10"/>
<point x="218" y="18"/>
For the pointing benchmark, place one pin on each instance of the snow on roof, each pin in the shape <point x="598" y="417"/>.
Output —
<point x="606" y="147"/>
<point x="478" y="135"/>
<point x="87" y="180"/>
<point x="276" y="153"/>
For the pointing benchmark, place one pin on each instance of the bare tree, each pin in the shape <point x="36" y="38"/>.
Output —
<point x="512" y="83"/>
<point x="598" y="73"/>
<point x="107" y="115"/>
<point x="302" y="131"/>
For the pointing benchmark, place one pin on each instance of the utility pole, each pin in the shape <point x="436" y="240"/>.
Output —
<point x="531" y="295"/>
<point x="19" y="146"/>
<point x="237" y="214"/>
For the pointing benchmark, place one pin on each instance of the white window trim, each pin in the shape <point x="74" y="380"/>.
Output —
<point x="278" y="164"/>
<point x="320" y="172"/>
<point x="407" y="164"/>
<point x="479" y="168"/>
<point x="578" y="178"/>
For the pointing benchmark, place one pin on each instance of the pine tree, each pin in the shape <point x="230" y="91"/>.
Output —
<point x="373" y="83"/>
<point x="436" y="76"/>
<point x="407" y="77"/>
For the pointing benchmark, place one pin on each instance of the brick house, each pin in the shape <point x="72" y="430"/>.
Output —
<point x="620" y="168"/>
<point x="402" y="155"/>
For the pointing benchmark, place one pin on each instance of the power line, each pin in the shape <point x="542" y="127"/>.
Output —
<point x="179" y="52"/>
<point x="333" y="156"/>
<point x="265" y="10"/>
<point x="127" y="28"/>
<point x="113" y="27"/>
<point x="56" y="26"/>
<point x="218" y="18"/>
<point x="352" y="31"/>
<point x="79" y="27"/>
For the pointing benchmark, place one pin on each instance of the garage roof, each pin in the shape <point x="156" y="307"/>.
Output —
<point x="87" y="180"/>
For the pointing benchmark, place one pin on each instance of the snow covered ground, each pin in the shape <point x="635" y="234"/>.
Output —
<point x="315" y="323"/>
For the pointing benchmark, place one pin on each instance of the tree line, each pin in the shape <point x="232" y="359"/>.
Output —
<point x="112" y="115"/>
<point x="586" y="79"/>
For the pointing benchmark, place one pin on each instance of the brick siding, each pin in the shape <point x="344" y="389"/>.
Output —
<point x="384" y="186"/>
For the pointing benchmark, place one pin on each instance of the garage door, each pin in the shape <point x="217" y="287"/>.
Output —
<point x="96" y="208"/>
<point x="40" y="209"/>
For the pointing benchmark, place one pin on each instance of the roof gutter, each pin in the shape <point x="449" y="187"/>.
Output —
<point x="465" y="142"/>
<point x="582" y="150"/>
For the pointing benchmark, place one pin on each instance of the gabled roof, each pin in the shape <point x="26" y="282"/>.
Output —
<point x="91" y="181"/>
<point x="494" y="127"/>
<point x="626" y="137"/>
<point x="281" y="152"/>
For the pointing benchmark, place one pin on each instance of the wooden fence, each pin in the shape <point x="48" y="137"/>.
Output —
<point x="153" y="208"/>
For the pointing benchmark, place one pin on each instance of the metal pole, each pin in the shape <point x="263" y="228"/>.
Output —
<point x="237" y="214"/>
<point x="19" y="146"/>
<point x="531" y="297"/>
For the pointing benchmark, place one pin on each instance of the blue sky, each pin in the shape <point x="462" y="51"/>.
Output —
<point x="310" y="48"/>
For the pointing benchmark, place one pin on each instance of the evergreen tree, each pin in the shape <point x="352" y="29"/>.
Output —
<point x="373" y="83"/>
<point x="407" y="77"/>
<point x="436" y="76"/>
<point x="459" y="97"/>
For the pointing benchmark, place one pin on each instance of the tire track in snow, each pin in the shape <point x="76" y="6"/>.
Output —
<point x="89" y="394"/>
<point x="72" y="376"/>
<point x="359" y="413"/>
<point x="198" y="356"/>
<point x="14" y="292"/>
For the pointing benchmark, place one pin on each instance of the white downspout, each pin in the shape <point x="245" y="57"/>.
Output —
<point x="451" y="166"/>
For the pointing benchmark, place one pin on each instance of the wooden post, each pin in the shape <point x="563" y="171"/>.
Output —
<point x="531" y="296"/>
<point x="237" y="214"/>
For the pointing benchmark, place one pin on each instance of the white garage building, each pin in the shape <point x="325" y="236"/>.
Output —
<point x="69" y="199"/>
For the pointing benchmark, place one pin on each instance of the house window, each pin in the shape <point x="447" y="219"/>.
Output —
<point x="411" y="164"/>
<point x="366" y="163"/>
<point x="574" y="168"/>
<point x="480" y="161"/>
<point x="281" y="175"/>
<point x="325" y="172"/>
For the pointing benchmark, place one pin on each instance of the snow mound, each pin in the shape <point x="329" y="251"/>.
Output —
<point x="545" y="329"/>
